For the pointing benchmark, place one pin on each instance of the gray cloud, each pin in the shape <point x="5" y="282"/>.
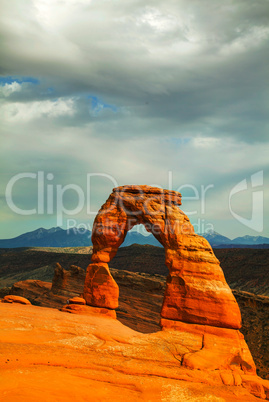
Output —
<point x="185" y="62"/>
<point x="135" y="91"/>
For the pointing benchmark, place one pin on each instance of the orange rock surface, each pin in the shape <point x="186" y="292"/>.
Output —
<point x="140" y="301"/>
<point x="48" y="355"/>
<point x="88" y="310"/>
<point x="15" y="299"/>
<point x="196" y="290"/>
<point x="100" y="289"/>
<point x="77" y="300"/>
<point x="221" y="348"/>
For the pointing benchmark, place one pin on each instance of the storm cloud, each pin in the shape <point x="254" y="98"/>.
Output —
<point x="137" y="91"/>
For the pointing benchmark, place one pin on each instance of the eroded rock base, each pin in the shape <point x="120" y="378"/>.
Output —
<point x="213" y="348"/>
<point x="100" y="289"/>
<point x="75" y="308"/>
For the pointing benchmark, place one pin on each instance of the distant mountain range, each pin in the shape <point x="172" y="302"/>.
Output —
<point x="217" y="240"/>
<point x="58" y="237"/>
<point x="54" y="237"/>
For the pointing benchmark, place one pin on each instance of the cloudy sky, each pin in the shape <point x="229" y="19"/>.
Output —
<point x="100" y="93"/>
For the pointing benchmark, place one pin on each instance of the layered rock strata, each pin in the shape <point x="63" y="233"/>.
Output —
<point x="15" y="299"/>
<point x="196" y="290"/>
<point x="67" y="281"/>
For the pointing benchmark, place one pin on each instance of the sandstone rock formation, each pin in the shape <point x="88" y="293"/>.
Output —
<point x="100" y="288"/>
<point x="67" y="281"/>
<point x="32" y="289"/>
<point x="15" y="299"/>
<point x="196" y="290"/>
<point x="40" y="293"/>
<point x="200" y="315"/>
<point x="140" y="302"/>
<point x="48" y="355"/>
<point x="77" y="305"/>
<point x="88" y="310"/>
<point x="77" y="300"/>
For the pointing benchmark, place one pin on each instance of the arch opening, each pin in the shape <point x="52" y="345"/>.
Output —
<point x="140" y="235"/>
<point x="140" y="272"/>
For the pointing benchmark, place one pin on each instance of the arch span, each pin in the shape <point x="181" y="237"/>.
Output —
<point x="196" y="290"/>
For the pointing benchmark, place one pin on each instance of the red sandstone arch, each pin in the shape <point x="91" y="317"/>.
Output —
<point x="196" y="290"/>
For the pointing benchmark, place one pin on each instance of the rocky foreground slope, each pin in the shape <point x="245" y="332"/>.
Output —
<point x="199" y="341"/>
<point x="48" y="355"/>
<point x="140" y="301"/>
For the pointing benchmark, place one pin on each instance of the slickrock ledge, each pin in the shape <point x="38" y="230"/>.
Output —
<point x="15" y="299"/>
<point x="74" y="308"/>
<point x="46" y="355"/>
